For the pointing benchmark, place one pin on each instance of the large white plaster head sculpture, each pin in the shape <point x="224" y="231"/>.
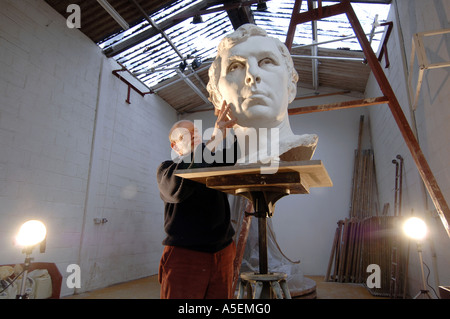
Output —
<point x="255" y="74"/>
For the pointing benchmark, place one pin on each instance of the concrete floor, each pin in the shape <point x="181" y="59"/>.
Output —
<point x="148" y="288"/>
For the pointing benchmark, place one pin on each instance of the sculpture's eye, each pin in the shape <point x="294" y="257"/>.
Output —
<point x="234" y="66"/>
<point x="267" y="61"/>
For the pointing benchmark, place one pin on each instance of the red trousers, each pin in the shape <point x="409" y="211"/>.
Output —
<point x="188" y="274"/>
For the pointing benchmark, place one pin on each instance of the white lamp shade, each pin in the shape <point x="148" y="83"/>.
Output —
<point x="415" y="228"/>
<point x="31" y="233"/>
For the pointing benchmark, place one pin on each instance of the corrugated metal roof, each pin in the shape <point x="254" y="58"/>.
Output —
<point x="159" y="59"/>
<point x="191" y="40"/>
<point x="155" y="45"/>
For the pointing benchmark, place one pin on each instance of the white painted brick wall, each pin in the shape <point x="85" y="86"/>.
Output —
<point x="48" y="101"/>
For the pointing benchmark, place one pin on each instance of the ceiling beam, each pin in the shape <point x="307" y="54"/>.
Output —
<point x="153" y="24"/>
<point x="238" y="12"/>
<point x="114" y="14"/>
<point x="156" y="29"/>
<point x="241" y="15"/>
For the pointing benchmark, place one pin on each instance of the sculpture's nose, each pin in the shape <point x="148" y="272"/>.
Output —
<point x="252" y="75"/>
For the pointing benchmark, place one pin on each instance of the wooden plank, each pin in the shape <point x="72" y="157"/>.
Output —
<point x="310" y="15"/>
<point x="343" y="252"/>
<point x="312" y="173"/>
<point x="242" y="241"/>
<point x="358" y="259"/>
<point x="350" y="247"/>
<point x="338" y="106"/>
<point x="233" y="183"/>
<point x="424" y="169"/>
<point x="293" y="24"/>
<point x="338" y="251"/>
<point x="321" y="95"/>
<point x="332" y="254"/>
<point x="246" y="180"/>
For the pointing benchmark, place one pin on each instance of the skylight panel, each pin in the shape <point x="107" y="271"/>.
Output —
<point x="155" y="60"/>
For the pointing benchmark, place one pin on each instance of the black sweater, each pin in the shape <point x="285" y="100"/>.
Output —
<point x="195" y="216"/>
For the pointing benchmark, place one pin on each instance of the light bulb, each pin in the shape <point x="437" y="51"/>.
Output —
<point x="31" y="233"/>
<point x="415" y="228"/>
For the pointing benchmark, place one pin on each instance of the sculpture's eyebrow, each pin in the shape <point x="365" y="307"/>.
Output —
<point x="267" y="54"/>
<point x="259" y="55"/>
<point x="236" y="58"/>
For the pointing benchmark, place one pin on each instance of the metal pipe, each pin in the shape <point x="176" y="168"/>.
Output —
<point x="314" y="50"/>
<point x="130" y="85"/>
<point x="374" y="26"/>
<point x="331" y="41"/>
<point x="193" y="86"/>
<point x="260" y="205"/>
<point x="160" y="68"/>
<point x="395" y="188"/>
<point x="155" y="70"/>
<point x="326" y="57"/>
<point x="154" y="25"/>
<point x="114" y="14"/>
<point x="400" y="182"/>
<point x="179" y="80"/>
<point x="197" y="77"/>
<point x="184" y="77"/>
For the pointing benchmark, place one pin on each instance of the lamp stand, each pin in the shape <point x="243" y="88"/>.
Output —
<point x="27" y="263"/>
<point x="424" y="291"/>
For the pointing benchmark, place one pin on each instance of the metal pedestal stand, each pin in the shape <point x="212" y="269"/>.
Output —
<point x="263" y="200"/>
<point x="263" y="190"/>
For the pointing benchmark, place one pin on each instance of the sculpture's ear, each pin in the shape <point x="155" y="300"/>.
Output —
<point x="216" y="99"/>
<point x="292" y="91"/>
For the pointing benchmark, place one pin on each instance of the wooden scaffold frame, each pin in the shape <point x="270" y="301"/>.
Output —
<point x="389" y="97"/>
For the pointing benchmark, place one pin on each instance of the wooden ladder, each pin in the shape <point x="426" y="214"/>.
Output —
<point x="395" y="265"/>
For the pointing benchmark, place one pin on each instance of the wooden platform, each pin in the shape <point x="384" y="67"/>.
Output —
<point x="229" y="178"/>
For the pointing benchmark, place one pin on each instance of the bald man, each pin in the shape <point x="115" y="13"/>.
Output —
<point x="197" y="261"/>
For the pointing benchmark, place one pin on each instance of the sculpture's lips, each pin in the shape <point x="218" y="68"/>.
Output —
<point x="257" y="99"/>
<point x="256" y="95"/>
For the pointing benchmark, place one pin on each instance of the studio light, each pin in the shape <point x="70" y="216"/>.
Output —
<point x="31" y="234"/>
<point x="196" y="63"/>
<point x="415" y="228"/>
<point x="182" y="66"/>
<point x="197" y="19"/>
<point x="261" y="6"/>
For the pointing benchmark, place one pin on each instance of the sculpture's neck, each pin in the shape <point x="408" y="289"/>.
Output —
<point x="256" y="143"/>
